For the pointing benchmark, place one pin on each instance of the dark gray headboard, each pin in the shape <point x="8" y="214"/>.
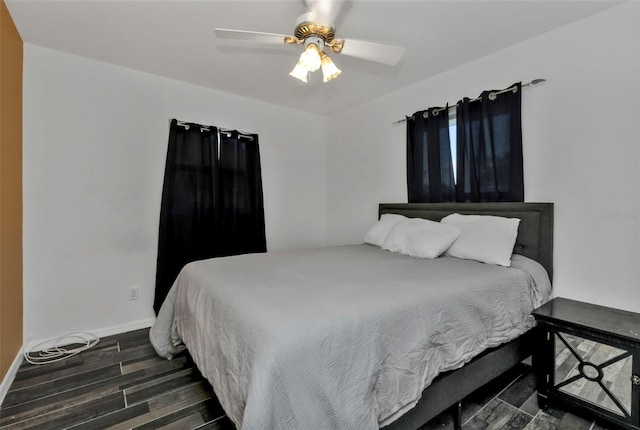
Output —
<point x="535" y="232"/>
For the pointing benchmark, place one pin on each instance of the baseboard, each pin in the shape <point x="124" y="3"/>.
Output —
<point x="11" y="374"/>
<point x="123" y="328"/>
<point x="102" y="332"/>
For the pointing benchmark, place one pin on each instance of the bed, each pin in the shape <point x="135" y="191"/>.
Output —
<point x="350" y="337"/>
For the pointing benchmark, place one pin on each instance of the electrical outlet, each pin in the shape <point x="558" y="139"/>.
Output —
<point x="133" y="293"/>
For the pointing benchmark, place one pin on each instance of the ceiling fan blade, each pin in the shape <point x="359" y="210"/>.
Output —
<point x="385" y="54"/>
<point x="324" y="12"/>
<point x="254" y="36"/>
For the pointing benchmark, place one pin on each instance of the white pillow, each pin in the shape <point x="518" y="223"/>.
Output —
<point x="380" y="230"/>
<point x="485" y="238"/>
<point x="420" y="238"/>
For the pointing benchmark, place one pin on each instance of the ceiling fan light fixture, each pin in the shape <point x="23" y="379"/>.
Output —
<point x="310" y="58"/>
<point x="329" y="70"/>
<point x="316" y="32"/>
<point x="300" y="72"/>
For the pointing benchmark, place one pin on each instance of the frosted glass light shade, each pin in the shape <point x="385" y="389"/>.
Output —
<point x="310" y="58"/>
<point x="329" y="70"/>
<point x="300" y="72"/>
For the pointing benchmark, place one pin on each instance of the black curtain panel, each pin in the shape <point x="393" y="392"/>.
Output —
<point x="489" y="148"/>
<point x="430" y="176"/>
<point x="211" y="200"/>
<point x="240" y="221"/>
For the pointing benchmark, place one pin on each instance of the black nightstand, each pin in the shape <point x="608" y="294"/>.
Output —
<point x="588" y="359"/>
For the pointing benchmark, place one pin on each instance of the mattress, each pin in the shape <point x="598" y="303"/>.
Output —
<point x="342" y="337"/>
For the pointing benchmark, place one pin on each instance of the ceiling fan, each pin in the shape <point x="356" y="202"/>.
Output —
<point x="316" y="31"/>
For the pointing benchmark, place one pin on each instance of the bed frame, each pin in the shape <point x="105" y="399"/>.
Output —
<point x="535" y="241"/>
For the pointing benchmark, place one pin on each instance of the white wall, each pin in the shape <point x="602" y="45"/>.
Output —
<point x="95" y="140"/>
<point x="581" y="148"/>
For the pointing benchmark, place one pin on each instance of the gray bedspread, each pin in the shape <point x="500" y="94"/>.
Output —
<point x="339" y="338"/>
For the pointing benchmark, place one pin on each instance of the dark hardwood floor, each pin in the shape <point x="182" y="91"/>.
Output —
<point x="122" y="384"/>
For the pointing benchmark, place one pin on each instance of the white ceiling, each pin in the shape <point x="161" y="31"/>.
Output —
<point x="175" y="38"/>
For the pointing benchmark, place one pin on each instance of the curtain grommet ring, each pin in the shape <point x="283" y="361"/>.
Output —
<point x="436" y="112"/>
<point x="493" y="96"/>
<point x="425" y="114"/>
<point x="515" y="90"/>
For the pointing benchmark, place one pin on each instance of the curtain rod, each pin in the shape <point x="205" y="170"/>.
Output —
<point x="226" y="131"/>
<point x="492" y="96"/>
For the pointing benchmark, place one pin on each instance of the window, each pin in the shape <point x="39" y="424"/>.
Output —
<point x="488" y="167"/>
<point x="453" y="142"/>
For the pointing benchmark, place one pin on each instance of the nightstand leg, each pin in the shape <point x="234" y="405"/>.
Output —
<point x="542" y="401"/>
<point x="540" y="361"/>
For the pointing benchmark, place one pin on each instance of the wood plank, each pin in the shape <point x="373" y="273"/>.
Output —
<point x="189" y="394"/>
<point x="85" y="393"/>
<point x="121" y="415"/>
<point x="189" y="422"/>
<point x="222" y="423"/>
<point x="138" y="352"/>
<point x="166" y="384"/>
<point x="24" y="395"/>
<point x="134" y="387"/>
<point x="172" y="402"/>
<point x="209" y="408"/>
<point x="135" y="365"/>
<point x="66" y="417"/>
<point x="29" y="410"/>
<point x="134" y="334"/>
<point x="133" y="342"/>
